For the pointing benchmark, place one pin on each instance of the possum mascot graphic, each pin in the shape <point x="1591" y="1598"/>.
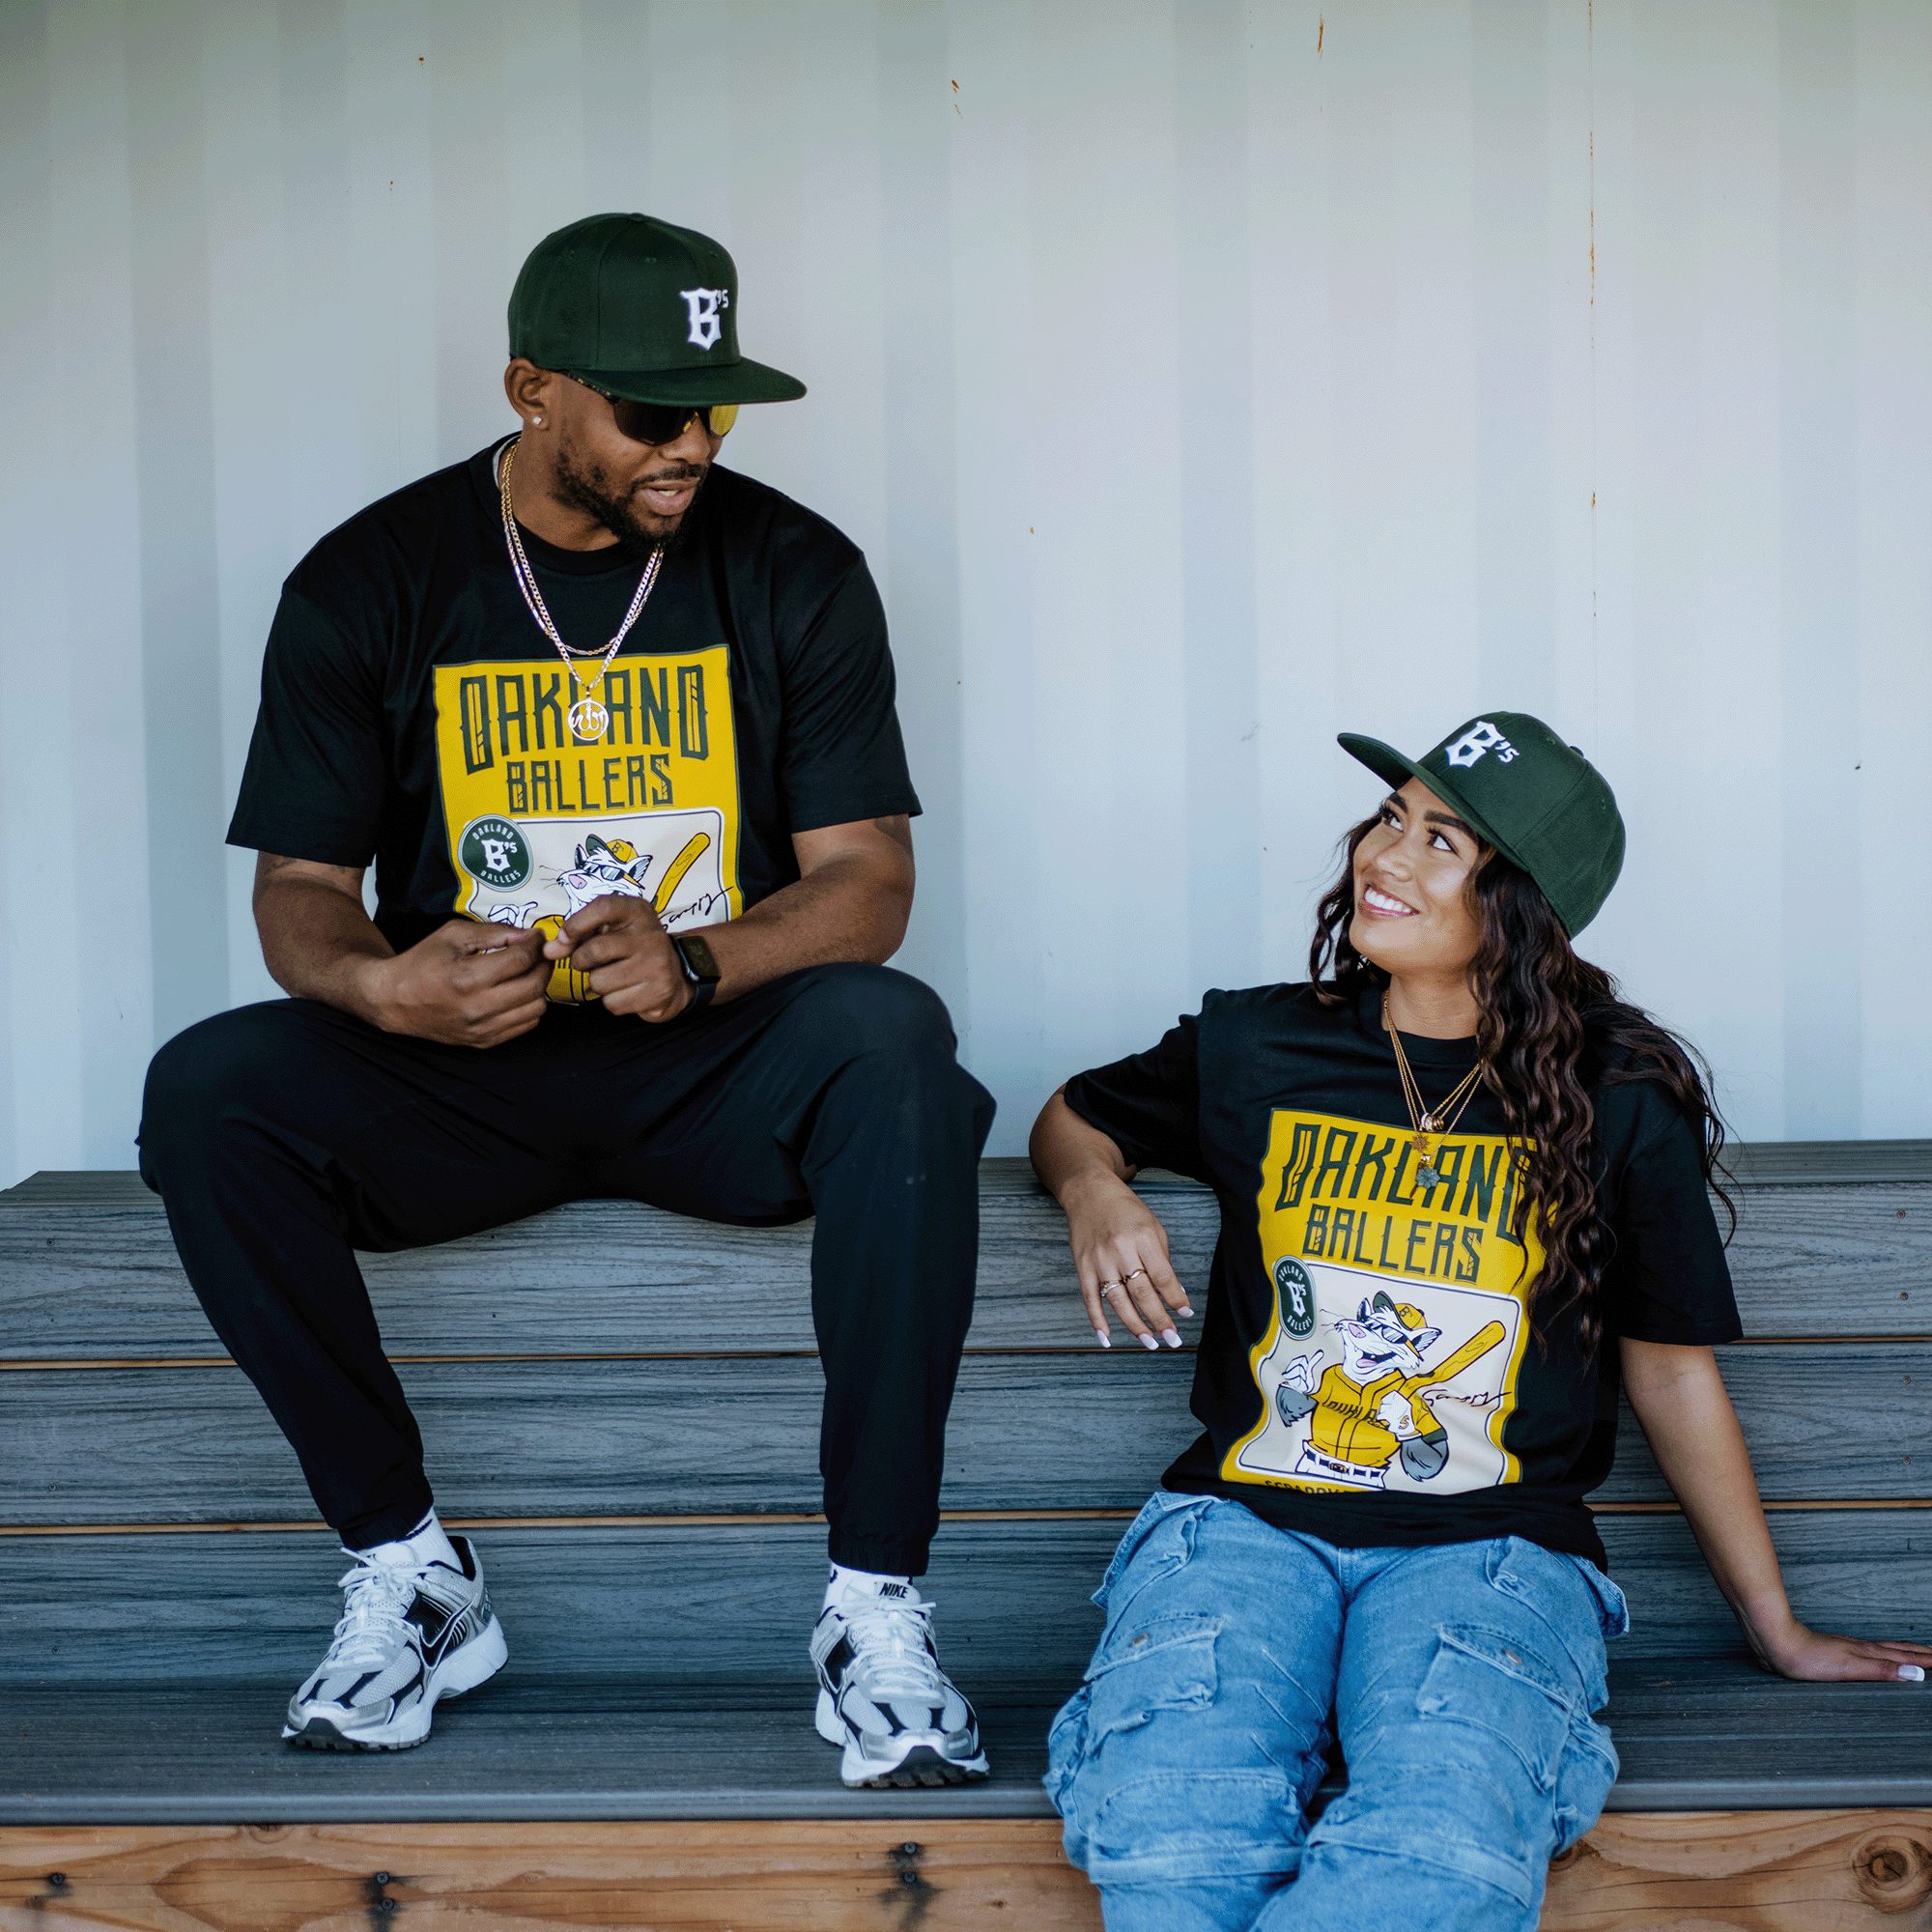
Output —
<point x="1376" y="1405"/>
<point x="612" y="868"/>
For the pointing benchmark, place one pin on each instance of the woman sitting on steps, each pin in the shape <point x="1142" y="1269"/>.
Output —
<point x="1463" y="1194"/>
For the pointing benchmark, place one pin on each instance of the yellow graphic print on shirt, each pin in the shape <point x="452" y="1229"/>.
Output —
<point x="542" y="822"/>
<point x="1390" y="1362"/>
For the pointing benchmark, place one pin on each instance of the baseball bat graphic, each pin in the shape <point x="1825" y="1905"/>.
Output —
<point x="694" y="850"/>
<point x="1479" y="1344"/>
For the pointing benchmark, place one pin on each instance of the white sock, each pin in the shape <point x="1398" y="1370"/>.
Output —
<point x="426" y="1544"/>
<point x="863" y="1584"/>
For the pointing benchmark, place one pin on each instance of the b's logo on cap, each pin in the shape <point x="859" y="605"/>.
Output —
<point x="1482" y="736"/>
<point x="703" y="305"/>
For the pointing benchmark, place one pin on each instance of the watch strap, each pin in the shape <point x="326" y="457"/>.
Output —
<point x="701" y="968"/>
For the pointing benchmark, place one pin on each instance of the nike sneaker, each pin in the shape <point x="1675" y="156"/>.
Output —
<point x="883" y="1696"/>
<point x="412" y="1629"/>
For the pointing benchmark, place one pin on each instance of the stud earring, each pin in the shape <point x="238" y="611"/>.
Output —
<point x="537" y="422"/>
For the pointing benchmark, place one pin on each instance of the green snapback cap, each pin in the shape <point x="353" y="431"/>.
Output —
<point x="636" y="307"/>
<point x="1538" y="801"/>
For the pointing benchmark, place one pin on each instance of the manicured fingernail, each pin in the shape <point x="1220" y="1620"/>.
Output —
<point x="1148" y="1341"/>
<point x="1912" y="1673"/>
<point x="1184" y="1309"/>
<point x="1105" y="1340"/>
<point x="1172" y="1336"/>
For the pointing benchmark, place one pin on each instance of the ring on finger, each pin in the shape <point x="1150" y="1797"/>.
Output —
<point x="1106" y="1286"/>
<point x="1125" y="1278"/>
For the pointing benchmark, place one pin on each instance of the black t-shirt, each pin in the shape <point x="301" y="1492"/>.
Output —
<point x="1366" y="1372"/>
<point x="413" y="711"/>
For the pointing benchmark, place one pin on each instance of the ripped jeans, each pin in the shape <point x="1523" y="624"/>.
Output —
<point x="1460" y="1677"/>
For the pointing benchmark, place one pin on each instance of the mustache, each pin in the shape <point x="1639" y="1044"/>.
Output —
<point x="676" y="472"/>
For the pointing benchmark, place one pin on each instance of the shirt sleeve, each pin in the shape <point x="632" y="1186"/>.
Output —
<point x="841" y="756"/>
<point x="317" y="774"/>
<point x="1668" y="1281"/>
<point x="1148" y="1105"/>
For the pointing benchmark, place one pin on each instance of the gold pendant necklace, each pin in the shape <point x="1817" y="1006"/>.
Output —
<point x="587" y="717"/>
<point x="1429" y="1128"/>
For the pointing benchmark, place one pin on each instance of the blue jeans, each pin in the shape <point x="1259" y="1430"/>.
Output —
<point x="1460" y="1679"/>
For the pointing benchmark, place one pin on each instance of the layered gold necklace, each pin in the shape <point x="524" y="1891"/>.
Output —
<point x="587" y="717"/>
<point x="1429" y="1128"/>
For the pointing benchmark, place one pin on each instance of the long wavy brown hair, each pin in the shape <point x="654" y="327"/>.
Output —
<point x="1552" y="1027"/>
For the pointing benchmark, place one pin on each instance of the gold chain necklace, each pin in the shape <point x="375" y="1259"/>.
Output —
<point x="587" y="718"/>
<point x="1429" y="1128"/>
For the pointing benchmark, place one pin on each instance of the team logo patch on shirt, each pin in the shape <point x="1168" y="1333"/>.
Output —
<point x="496" y="852"/>
<point x="1391" y="1360"/>
<point x="1295" y="1297"/>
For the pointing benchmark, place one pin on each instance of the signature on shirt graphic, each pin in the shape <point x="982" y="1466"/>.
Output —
<point x="1377" y="1406"/>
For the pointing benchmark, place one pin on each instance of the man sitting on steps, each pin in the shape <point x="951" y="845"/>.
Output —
<point x="616" y="726"/>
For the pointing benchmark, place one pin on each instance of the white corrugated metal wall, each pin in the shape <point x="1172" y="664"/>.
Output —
<point x="1199" y="379"/>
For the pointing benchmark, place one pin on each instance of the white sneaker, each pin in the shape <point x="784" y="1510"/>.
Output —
<point x="411" y="1631"/>
<point x="883" y="1695"/>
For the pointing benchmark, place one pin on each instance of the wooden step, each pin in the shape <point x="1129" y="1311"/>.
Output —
<point x="737" y="1433"/>
<point x="1780" y="1871"/>
<point x="1012" y="1594"/>
<point x="88" y="1269"/>
<point x="608" y="1361"/>
<point x="1693" y="1734"/>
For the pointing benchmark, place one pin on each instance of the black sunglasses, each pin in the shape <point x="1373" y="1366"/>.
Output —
<point x="663" y="422"/>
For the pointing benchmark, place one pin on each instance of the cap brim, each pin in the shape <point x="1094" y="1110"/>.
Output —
<point x="1394" y="771"/>
<point x="740" y="381"/>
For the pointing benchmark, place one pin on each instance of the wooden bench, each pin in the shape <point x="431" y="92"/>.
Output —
<point x="624" y="1404"/>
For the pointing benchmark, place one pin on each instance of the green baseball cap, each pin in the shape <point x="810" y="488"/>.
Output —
<point x="636" y="307"/>
<point x="1538" y="801"/>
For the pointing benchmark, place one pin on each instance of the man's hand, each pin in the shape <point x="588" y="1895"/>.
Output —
<point x="620" y="944"/>
<point x="467" y="984"/>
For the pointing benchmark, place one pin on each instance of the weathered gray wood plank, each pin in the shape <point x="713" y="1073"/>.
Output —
<point x="1718" y="1735"/>
<point x="84" y="1279"/>
<point x="1712" y="1735"/>
<point x="691" y="1437"/>
<point x="605" y="1747"/>
<point x="1012" y="1601"/>
<point x="1013" y="1596"/>
<point x="706" y="1435"/>
<point x="1767" y="1161"/>
<point x="97" y="1278"/>
<point x="1789" y="1162"/>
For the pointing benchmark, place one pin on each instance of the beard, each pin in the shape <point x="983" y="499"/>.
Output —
<point x="638" y="532"/>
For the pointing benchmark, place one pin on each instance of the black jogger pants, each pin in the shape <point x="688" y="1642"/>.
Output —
<point x="284" y="1136"/>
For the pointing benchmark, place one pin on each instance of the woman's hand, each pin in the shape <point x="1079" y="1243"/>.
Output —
<point x="1120" y="1249"/>
<point x="1817" y="1657"/>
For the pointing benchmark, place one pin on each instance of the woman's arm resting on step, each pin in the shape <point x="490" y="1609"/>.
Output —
<point x="1680" y="1398"/>
<point x="1115" y="1236"/>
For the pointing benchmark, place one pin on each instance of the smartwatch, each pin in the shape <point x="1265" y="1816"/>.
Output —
<point x="700" y="967"/>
